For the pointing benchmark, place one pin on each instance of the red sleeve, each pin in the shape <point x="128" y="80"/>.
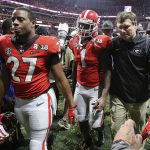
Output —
<point x="102" y="41"/>
<point x="109" y="43"/>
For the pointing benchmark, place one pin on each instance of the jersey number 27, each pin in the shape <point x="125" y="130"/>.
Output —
<point x="30" y="61"/>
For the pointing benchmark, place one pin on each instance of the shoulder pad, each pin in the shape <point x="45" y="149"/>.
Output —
<point x="4" y="37"/>
<point x="72" y="42"/>
<point x="54" y="45"/>
<point x="102" y="41"/>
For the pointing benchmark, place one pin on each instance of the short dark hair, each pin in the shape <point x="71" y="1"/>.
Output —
<point x="6" y="26"/>
<point x="122" y="16"/>
<point x="29" y="11"/>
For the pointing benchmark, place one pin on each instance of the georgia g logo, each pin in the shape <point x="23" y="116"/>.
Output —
<point x="137" y="52"/>
<point x="8" y="51"/>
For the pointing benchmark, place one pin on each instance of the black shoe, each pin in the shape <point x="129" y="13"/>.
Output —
<point x="50" y="140"/>
<point x="101" y="139"/>
<point x="85" y="145"/>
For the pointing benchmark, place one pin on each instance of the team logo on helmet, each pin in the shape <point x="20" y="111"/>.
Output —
<point x="8" y="51"/>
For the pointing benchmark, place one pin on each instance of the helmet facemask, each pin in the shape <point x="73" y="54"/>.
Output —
<point x="86" y="27"/>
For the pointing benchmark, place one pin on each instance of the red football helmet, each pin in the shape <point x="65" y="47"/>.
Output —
<point x="87" y="23"/>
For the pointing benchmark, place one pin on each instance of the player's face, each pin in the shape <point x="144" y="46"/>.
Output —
<point x="127" y="30"/>
<point x="22" y="25"/>
<point x="108" y="32"/>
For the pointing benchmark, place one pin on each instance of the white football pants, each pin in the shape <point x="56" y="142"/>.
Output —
<point x="84" y="97"/>
<point x="36" y="116"/>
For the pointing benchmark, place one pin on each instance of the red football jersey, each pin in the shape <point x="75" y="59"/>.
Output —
<point x="88" y="58"/>
<point x="30" y="74"/>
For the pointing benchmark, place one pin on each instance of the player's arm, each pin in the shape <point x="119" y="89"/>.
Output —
<point x="106" y="65"/>
<point x="74" y="76"/>
<point x="60" y="78"/>
<point x="62" y="82"/>
<point x="107" y="79"/>
<point x="63" y="85"/>
<point x="57" y="70"/>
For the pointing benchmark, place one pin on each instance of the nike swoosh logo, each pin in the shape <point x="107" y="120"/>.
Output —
<point x="38" y="104"/>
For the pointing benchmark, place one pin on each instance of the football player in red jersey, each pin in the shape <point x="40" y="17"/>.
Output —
<point x="29" y="57"/>
<point x="90" y="53"/>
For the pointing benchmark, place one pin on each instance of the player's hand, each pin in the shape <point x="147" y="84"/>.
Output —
<point x="127" y="134"/>
<point x="71" y="115"/>
<point x="99" y="104"/>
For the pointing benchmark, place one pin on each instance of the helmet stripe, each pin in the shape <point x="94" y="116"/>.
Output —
<point x="86" y="13"/>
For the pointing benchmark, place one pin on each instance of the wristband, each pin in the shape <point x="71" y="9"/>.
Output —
<point x="72" y="107"/>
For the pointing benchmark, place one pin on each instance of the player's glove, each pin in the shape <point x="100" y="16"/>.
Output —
<point x="71" y="115"/>
<point x="146" y="130"/>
